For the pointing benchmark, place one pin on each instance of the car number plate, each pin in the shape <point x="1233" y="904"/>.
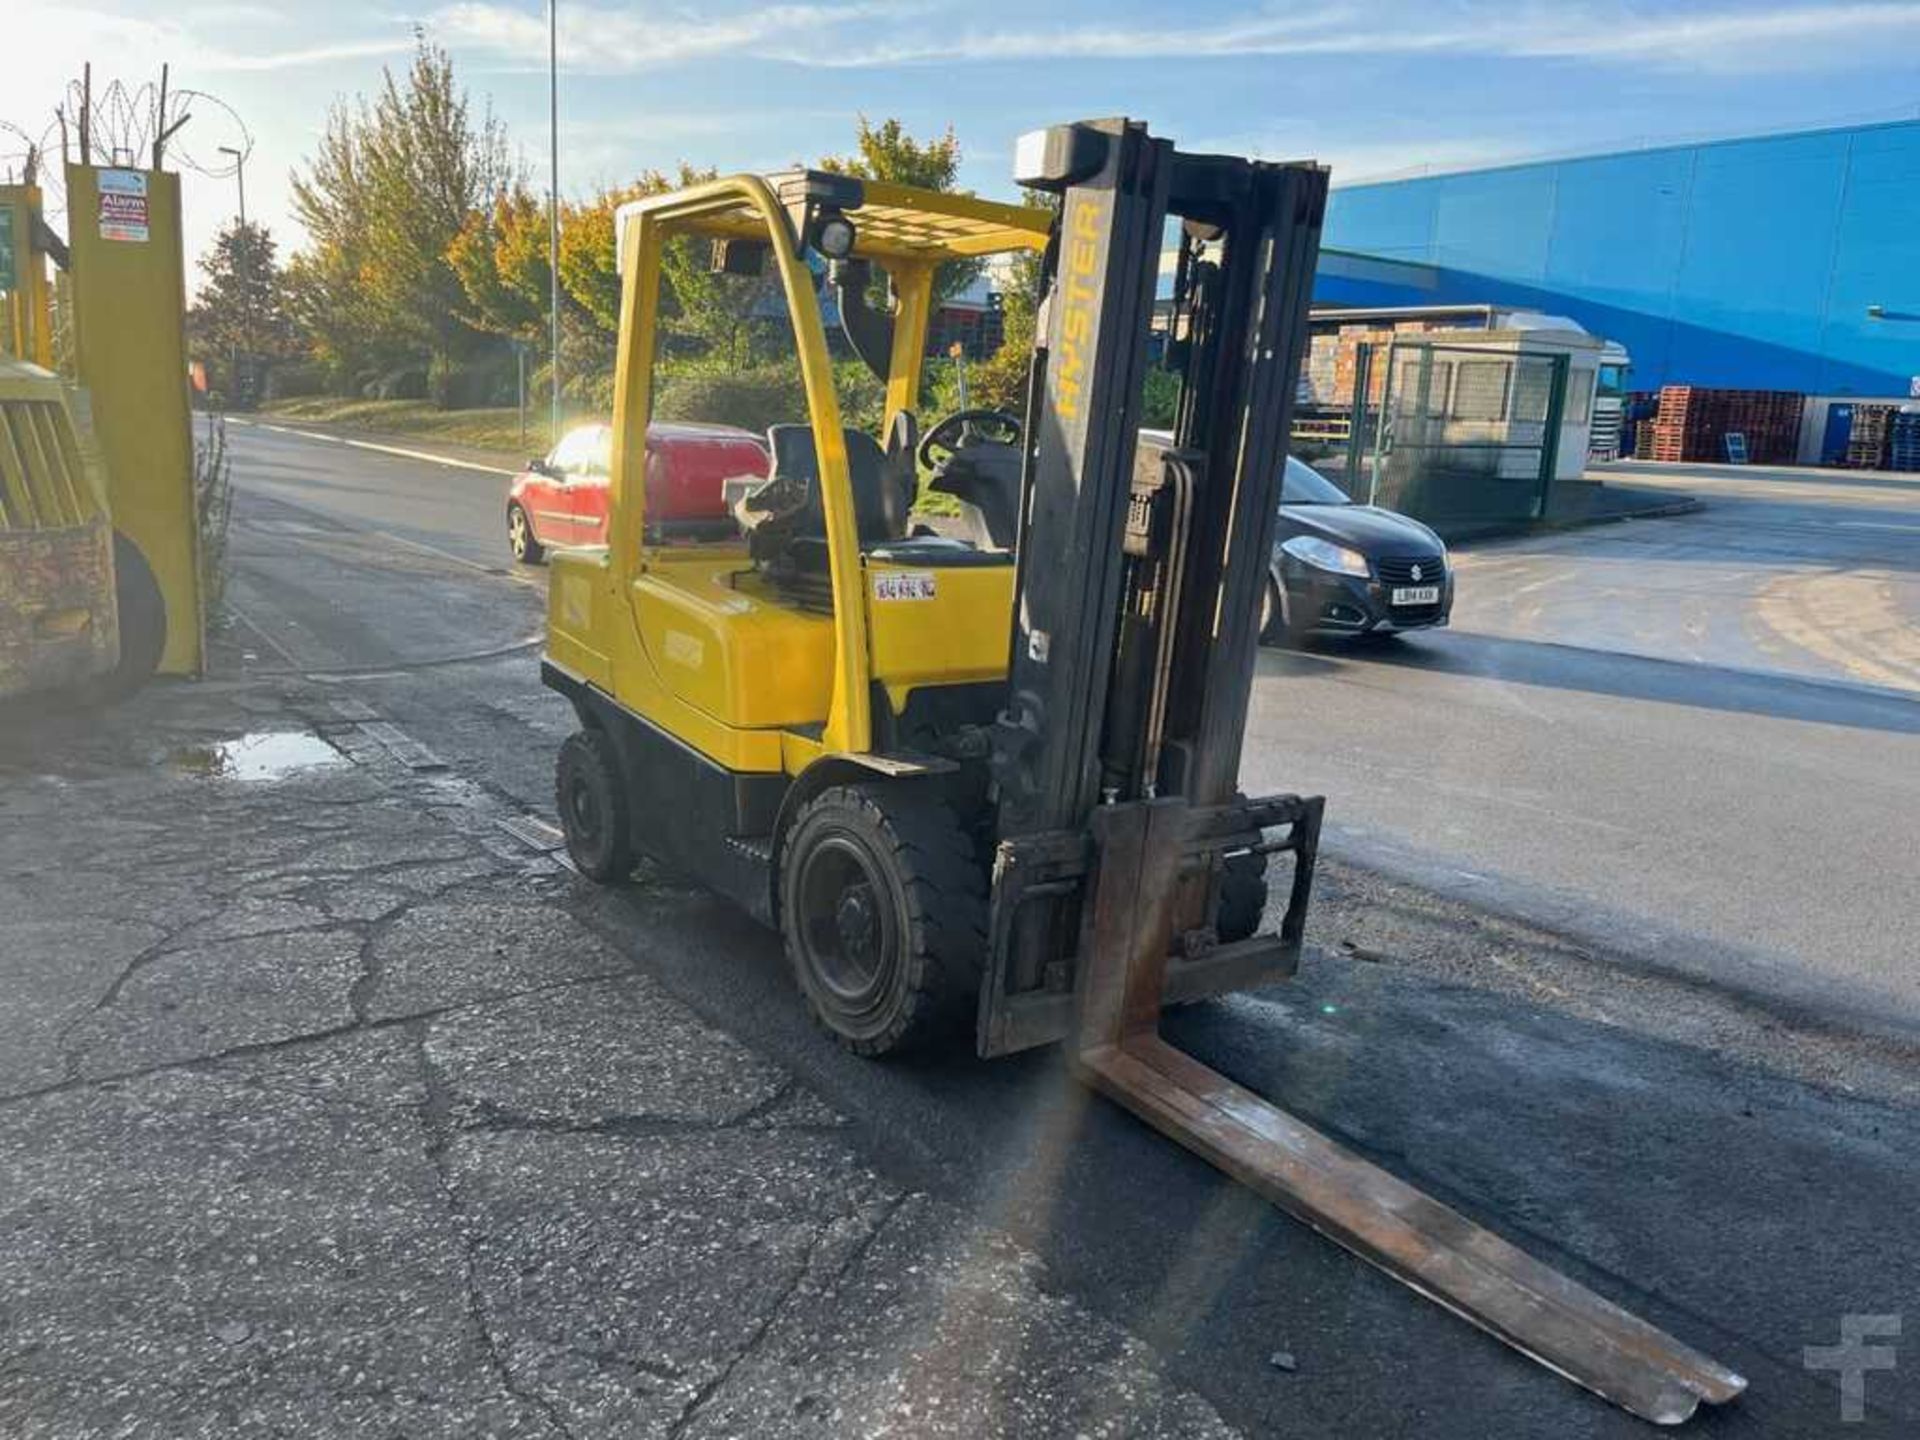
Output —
<point x="1416" y="595"/>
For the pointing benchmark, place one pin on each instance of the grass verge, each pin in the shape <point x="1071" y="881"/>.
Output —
<point x="493" y="429"/>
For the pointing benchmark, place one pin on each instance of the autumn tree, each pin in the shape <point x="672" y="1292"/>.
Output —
<point x="325" y="291"/>
<point x="500" y="259"/>
<point x="393" y="185"/>
<point x="715" y="313"/>
<point x="887" y="152"/>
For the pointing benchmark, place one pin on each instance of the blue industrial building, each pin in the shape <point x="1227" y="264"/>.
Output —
<point x="1783" y="262"/>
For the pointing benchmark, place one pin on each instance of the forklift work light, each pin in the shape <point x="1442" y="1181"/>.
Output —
<point x="835" y="237"/>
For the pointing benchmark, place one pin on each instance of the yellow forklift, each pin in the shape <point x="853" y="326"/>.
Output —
<point x="995" y="776"/>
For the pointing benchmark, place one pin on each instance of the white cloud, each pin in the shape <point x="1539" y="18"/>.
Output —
<point x="1803" y="36"/>
<point x="1738" y="38"/>
<point x="229" y="62"/>
<point x="52" y="39"/>
<point x="1734" y="38"/>
<point x="616" y="41"/>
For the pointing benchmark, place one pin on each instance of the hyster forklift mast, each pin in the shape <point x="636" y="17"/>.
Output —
<point x="1129" y="680"/>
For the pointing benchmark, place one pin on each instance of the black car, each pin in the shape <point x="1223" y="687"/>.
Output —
<point x="1346" y="569"/>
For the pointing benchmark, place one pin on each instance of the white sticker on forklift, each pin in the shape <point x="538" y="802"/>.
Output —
<point x="903" y="585"/>
<point x="685" y="649"/>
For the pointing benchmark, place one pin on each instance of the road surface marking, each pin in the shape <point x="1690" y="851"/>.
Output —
<point x="1851" y="619"/>
<point x="429" y="458"/>
<point x="401" y="451"/>
<point x="422" y="546"/>
<point x="260" y="630"/>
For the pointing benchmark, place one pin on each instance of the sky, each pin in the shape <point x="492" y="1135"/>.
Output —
<point x="1372" y="89"/>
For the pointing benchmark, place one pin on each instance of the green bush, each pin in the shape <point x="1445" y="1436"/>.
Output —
<point x="470" y="383"/>
<point x="863" y="399"/>
<point x="288" y="379"/>
<point x="408" y="382"/>
<point x="1158" y="399"/>
<point x="751" y="399"/>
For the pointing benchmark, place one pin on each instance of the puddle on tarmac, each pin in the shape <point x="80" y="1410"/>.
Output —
<point x="264" y="755"/>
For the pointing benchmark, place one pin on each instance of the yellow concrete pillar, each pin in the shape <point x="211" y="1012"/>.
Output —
<point x="128" y="282"/>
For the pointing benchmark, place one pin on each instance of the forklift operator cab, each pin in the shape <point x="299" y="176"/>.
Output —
<point x="714" y="675"/>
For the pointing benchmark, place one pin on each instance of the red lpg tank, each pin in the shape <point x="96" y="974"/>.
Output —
<point x="688" y="467"/>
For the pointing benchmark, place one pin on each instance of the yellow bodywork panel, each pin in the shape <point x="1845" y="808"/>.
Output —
<point x="728" y="646"/>
<point x="945" y="626"/>
<point x="737" y="663"/>
<point x="615" y="640"/>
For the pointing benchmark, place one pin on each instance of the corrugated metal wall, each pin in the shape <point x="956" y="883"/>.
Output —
<point x="1747" y="263"/>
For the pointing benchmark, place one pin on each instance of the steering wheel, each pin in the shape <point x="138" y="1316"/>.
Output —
<point x="963" y="425"/>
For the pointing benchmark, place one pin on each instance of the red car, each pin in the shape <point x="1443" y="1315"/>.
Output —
<point x="561" y="498"/>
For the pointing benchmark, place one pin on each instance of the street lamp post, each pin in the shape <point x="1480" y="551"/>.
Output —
<point x="243" y="265"/>
<point x="553" y="205"/>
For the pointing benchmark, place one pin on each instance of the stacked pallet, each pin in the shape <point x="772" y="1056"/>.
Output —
<point x="1692" y="424"/>
<point x="1333" y="360"/>
<point x="1867" y="440"/>
<point x="1903" y="441"/>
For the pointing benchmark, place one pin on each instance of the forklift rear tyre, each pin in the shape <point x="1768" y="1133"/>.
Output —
<point x="883" y="908"/>
<point x="592" y="800"/>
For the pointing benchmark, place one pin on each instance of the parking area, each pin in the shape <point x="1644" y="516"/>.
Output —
<point x="1802" y="572"/>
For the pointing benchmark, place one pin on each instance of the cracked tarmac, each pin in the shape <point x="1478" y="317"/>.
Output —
<point x="320" y="1114"/>
<point x="336" y="1105"/>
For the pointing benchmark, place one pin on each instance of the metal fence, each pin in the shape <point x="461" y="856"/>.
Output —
<point x="1454" y="435"/>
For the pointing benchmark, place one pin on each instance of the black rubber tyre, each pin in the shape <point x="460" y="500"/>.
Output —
<point x="591" y="795"/>
<point x="883" y="907"/>
<point x="1274" y="629"/>
<point x="1243" y="897"/>
<point x="141" y="611"/>
<point x="526" y="549"/>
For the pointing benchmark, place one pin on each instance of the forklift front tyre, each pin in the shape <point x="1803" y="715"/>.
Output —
<point x="592" y="800"/>
<point x="883" y="908"/>
<point x="1243" y="897"/>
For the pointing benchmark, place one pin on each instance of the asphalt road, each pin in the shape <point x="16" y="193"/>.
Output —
<point x="1694" y="738"/>
<point x="1595" y="1116"/>
<point x="1680" y="738"/>
<point x="1804" y="572"/>
<point x="1732" y="1174"/>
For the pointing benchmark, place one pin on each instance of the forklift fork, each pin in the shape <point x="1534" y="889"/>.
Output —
<point x="1435" y="1250"/>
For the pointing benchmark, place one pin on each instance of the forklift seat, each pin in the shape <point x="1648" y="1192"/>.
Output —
<point x="785" y="522"/>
